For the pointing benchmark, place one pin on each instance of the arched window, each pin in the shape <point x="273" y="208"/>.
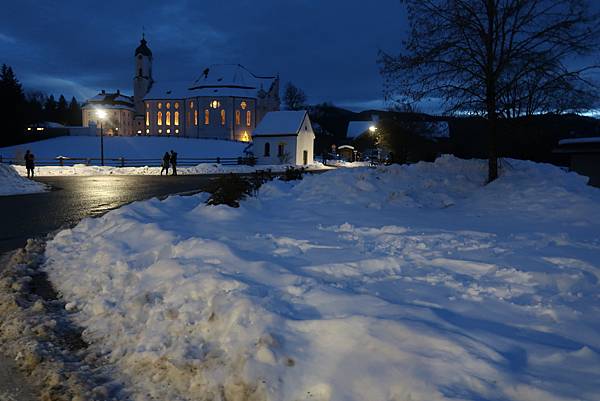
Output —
<point x="267" y="149"/>
<point x="248" y="118"/>
<point x="176" y="105"/>
<point x="196" y="118"/>
<point x="280" y="149"/>
<point x="159" y="105"/>
<point x="168" y="105"/>
<point x="147" y="118"/>
<point x="159" y="118"/>
<point x="168" y="118"/>
<point x="176" y="117"/>
<point x="222" y="116"/>
<point x="206" y="117"/>
<point x="238" y="117"/>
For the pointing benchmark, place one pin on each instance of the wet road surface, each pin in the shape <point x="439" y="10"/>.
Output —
<point x="74" y="198"/>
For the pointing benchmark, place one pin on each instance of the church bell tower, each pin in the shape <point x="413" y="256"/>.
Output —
<point x="141" y="83"/>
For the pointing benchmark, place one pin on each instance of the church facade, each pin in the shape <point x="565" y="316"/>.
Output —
<point x="226" y="101"/>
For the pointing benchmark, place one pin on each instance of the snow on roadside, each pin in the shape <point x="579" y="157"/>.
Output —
<point x="11" y="183"/>
<point x="396" y="283"/>
<point x="205" y="168"/>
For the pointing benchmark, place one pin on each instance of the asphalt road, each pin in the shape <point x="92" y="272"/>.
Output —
<point x="73" y="198"/>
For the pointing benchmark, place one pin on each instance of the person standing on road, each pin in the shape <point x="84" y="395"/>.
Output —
<point x="165" y="163"/>
<point x="174" y="161"/>
<point x="29" y="163"/>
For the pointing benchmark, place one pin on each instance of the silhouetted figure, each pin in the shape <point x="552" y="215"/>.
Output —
<point x="29" y="163"/>
<point x="174" y="162"/>
<point x="165" y="163"/>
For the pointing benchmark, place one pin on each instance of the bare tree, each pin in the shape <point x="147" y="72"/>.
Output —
<point x="294" y="98"/>
<point x="491" y="57"/>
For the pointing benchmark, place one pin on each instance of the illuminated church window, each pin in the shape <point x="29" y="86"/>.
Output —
<point x="223" y="117"/>
<point x="168" y="118"/>
<point x="243" y="105"/>
<point x="159" y="118"/>
<point x="206" y="117"/>
<point x="176" y="116"/>
<point x="248" y="118"/>
<point x="238" y="117"/>
<point x="215" y="104"/>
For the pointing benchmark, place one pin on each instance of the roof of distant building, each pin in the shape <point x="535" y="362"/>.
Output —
<point x="280" y="123"/>
<point x="229" y="80"/>
<point x="357" y="128"/>
<point x="110" y="100"/>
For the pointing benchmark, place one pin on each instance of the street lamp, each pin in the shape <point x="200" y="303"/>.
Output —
<point x="101" y="114"/>
<point x="373" y="130"/>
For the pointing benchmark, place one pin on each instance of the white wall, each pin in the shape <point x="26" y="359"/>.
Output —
<point x="306" y="141"/>
<point x="289" y="147"/>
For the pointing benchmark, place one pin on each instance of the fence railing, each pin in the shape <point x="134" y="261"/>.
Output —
<point x="126" y="162"/>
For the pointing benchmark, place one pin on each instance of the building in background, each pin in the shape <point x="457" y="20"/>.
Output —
<point x="119" y="113"/>
<point x="284" y="137"/>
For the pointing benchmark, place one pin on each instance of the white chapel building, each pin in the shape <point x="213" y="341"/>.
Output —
<point x="284" y="137"/>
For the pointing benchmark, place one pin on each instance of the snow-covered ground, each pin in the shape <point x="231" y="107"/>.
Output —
<point x="397" y="283"/>
<point x="204" y="168"/>
<point x="136" y="147"/>
<point x="11" y="183"/>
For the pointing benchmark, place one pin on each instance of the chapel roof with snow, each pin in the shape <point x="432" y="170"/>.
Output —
<point x="281" y="123"/>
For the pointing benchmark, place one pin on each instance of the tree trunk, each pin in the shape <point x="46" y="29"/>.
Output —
<point x="493" y="149"/>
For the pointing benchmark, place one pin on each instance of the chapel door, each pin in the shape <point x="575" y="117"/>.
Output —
<point x="305" y="157"/>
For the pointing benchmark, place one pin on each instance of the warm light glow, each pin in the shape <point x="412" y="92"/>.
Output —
<point x="245" y="137"/>
<point x="177" y="131"/>
<point x="40" y="128"/>
<point x="28" y="128"/>
<point x="176" y="117"/>
<point x="248" y="118"/>
<point x="238" y="117"/>
<point x="168" y="105"/>
<point x="223" y="117"/>
<point x="147" y="131"/>
<point x="372" y="128"/>
<point x="159" y="118"/>
<point x="101" y="114"/>
<point x="168" y="118"/>
<point x="195" y="117"/>
<point x="147" y="118"/>
<point x="215" y="104"/>
<point x="206" y="117"/>
<point x="168" y="131"/>
<point x="176" y="105"/>
<point x="139" y="131"/>
<point x="243" y="105"/>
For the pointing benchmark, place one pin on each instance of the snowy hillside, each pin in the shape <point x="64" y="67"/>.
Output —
<point x="392" y="284"/>
<point x="136" y="147"/>
<point x="11" y="183"/>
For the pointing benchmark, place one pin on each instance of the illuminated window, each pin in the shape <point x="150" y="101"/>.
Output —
<point x="248" y="118"/>
<point x="176" y="105"/>
<point x="215" y="104"/>
<point x="168" y="105"/>
<point x="168" y="131"/>
<point x="159" y="118"/>
<point x="243" y="105"/>
<point x="267" y="149"/>
<point x="159" y="105"/>
<point x="176" y="117"/>
<point x="238" y="117"/>
<point x="147" y="105"/>
<point x="245" y="137"/>
<point x="147" y="118"/>
<point x="206" y="117"/>
<point x="147" y="131"/>
<point x="160" y="131"/>
<point x="196" y="117"/>
<point x="222" y="116"/>
<point x="191" y="105"/>
<point x="168" y="118"/>
<point x="177" y="131"/>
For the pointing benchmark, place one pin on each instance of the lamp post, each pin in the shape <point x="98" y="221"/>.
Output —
<point x="373" y="130"/>
<point x="101" y="114"/>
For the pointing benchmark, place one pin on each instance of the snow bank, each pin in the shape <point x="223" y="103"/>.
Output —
<point x="396" y="283"/>
<point x="11" y="183"/>
<point x="204" y="168"/>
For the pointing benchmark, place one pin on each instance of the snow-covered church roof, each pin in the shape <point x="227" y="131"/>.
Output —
<point x="216" y="80"/>
<point x="281" y="123"/>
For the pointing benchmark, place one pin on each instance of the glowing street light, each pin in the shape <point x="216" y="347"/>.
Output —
<point x="372" y="128"/>
<point x="101" y="114"/>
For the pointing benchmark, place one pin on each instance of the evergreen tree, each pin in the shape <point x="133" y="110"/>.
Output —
<point x="62" y="111"/>
<point x="50" y="108"/>
<point x="12" y="106"/>
<point x="35" y="107"/>
<point x="74" y="112"/>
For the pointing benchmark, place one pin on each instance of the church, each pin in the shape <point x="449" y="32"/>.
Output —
<point x="226" y="101"/>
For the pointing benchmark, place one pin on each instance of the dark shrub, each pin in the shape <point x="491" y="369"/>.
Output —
<point x="229" y="190"/>
<point x="292" y="174"/>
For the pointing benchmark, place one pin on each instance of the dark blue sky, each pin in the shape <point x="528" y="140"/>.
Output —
<point x="327" y="47"/>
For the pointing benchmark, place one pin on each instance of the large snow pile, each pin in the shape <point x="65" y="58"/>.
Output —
<point x="396" y="283"/>
<point x="135" y="147"/>
<point x="11" y="183"/>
